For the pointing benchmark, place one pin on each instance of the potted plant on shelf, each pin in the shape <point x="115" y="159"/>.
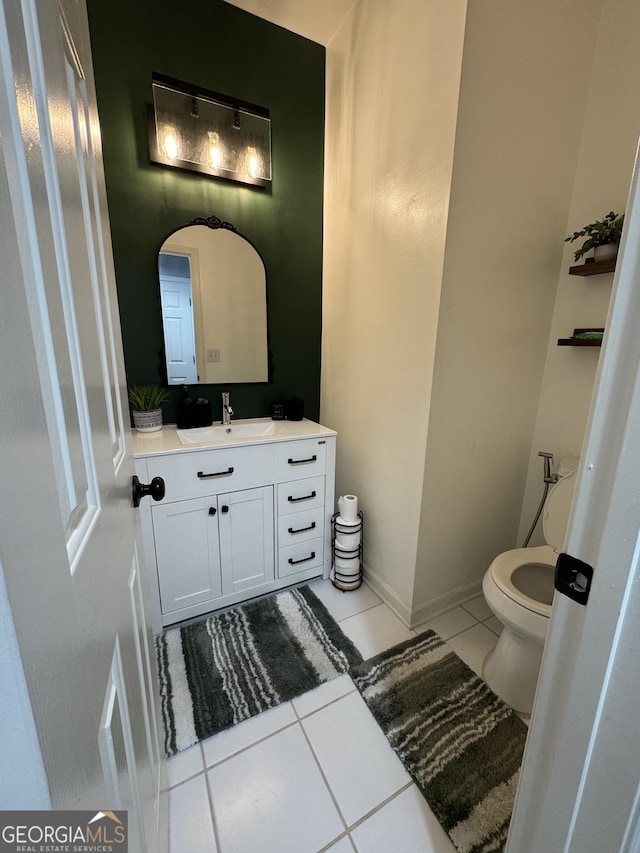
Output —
<point x="603" y="236"/>
<point x="146" y="402"/>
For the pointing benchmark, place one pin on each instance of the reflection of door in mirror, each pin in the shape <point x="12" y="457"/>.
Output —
<point x="228" y="295"/>
<point x="177" y="317"/>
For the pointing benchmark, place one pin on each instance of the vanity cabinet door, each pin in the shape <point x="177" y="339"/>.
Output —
<point x="187" y="553"/>
<point x="246" y="539"/>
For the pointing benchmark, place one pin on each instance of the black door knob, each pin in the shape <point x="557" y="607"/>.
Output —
<point x="140" y="490"/>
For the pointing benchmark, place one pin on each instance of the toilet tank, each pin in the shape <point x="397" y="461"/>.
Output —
<point x="557" y="508"/>
<point x="568" y="465"/>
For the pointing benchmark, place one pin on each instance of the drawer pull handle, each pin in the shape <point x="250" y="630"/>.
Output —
<point x="312" y="526"/>
<point x="302" y="461"/>
<point x="292" y="500"/>
<point x="202" y="476"/>
<point x="303" y="560"/>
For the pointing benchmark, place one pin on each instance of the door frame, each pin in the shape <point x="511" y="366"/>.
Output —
<point x="580" y="775"/>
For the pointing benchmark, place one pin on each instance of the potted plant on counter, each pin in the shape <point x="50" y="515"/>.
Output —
<point x="146" y="402"/>
<point x="603" y="236"/>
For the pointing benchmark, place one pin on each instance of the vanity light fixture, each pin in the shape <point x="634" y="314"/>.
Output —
<point x="202" y="131"/>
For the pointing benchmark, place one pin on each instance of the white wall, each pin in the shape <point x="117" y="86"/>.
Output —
<point x="523" y="92"/>
<point x="392" y="91"/>
<point x="609" y="138"/>
<point x="441" y="271"/>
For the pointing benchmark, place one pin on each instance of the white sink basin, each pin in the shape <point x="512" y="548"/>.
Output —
<point x="258" y="428"/>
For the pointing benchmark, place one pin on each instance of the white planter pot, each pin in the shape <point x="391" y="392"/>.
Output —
<point x="148" y="421"/>
<point x="605" y="253"/>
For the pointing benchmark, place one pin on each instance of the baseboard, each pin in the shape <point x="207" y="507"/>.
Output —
<point x="436" y="606"/>
<point x="388" y="595"/>
<point x="412" y="619"/>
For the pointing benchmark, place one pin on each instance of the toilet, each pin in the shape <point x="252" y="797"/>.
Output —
<point x="518" y="587"/>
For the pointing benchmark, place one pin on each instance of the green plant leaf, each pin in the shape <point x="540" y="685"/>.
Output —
<point x="598" y="233"/>
<point x="146" y="398"/>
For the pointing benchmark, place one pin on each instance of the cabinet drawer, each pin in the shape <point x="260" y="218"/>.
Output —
<point x="298" y="459"/>
<point x="300" y="495"/>
<point x="300" y="526"/>
<point x="211" y="472"/>
<point x="300" y="557"/>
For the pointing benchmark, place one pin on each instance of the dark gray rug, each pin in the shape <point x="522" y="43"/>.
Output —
<point x="461" y="744"/>
<point x="228" y="667"/>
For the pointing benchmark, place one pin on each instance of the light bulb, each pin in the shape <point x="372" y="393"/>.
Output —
<point x="215" y="150"/>
<point x="170" y="143"/>
<point x="253" y="162"/>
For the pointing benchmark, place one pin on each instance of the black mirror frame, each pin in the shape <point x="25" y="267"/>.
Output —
<point x="215" y="223"/>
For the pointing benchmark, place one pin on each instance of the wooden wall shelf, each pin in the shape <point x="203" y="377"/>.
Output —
<point x="593" y="268"/>
<point x="581" y="342"/>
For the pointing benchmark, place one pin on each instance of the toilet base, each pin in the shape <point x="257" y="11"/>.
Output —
<point x="511" y="670"/>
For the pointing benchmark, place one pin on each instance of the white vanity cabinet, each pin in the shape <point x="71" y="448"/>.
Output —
<point x="210" y="547"/>
<point x="239" y="519"/>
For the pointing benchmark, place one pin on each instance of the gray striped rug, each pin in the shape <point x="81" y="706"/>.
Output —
<point x="228" y="667"/>
<point x="461" y="744"/>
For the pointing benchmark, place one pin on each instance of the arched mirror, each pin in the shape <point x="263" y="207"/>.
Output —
<point x="213" y="291"/>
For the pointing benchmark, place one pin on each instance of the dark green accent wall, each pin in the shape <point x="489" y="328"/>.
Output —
<point x="225" y="49"/>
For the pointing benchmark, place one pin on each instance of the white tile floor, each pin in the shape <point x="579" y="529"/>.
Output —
<point x="317" y="773"/>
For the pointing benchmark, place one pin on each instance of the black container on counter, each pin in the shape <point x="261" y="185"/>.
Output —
<point x="185" y="411"/>
<point x="192" y="413"/>
<point x="276" y="411"/>
<point x="202" y="411"/>
<point x="294" y="409"/>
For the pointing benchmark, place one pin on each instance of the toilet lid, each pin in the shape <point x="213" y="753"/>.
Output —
<point x="555" y="518"/>
<point x="526" y="575"/>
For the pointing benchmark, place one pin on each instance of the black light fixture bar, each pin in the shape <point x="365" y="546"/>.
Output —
<point x="203" y="131"/>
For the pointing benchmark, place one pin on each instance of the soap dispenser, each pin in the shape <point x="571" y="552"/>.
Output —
<point x="185" y="415"/>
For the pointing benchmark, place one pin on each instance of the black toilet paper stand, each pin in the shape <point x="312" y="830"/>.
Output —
<point x="340" y="579"/>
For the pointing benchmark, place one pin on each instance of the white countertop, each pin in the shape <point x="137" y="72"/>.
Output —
<point x="167" y="441"/>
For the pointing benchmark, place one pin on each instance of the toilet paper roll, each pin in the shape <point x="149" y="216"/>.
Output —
<point x="344" y="542"/>
<point x="346" y="566"/>
<point x="346" y="539"/>
<point x="346" y="583"/>
<point x="347" y="586"/>
<point x="348" y="508"/>
<point x="347" y="526"/>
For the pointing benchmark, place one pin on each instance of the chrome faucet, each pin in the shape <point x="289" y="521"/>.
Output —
<point x="227" y="411"/>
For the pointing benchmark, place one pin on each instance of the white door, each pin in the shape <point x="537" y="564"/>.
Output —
<point x="177" y="321"/>
<point x="68" y="532"/>
<point x="580" y="785"/>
